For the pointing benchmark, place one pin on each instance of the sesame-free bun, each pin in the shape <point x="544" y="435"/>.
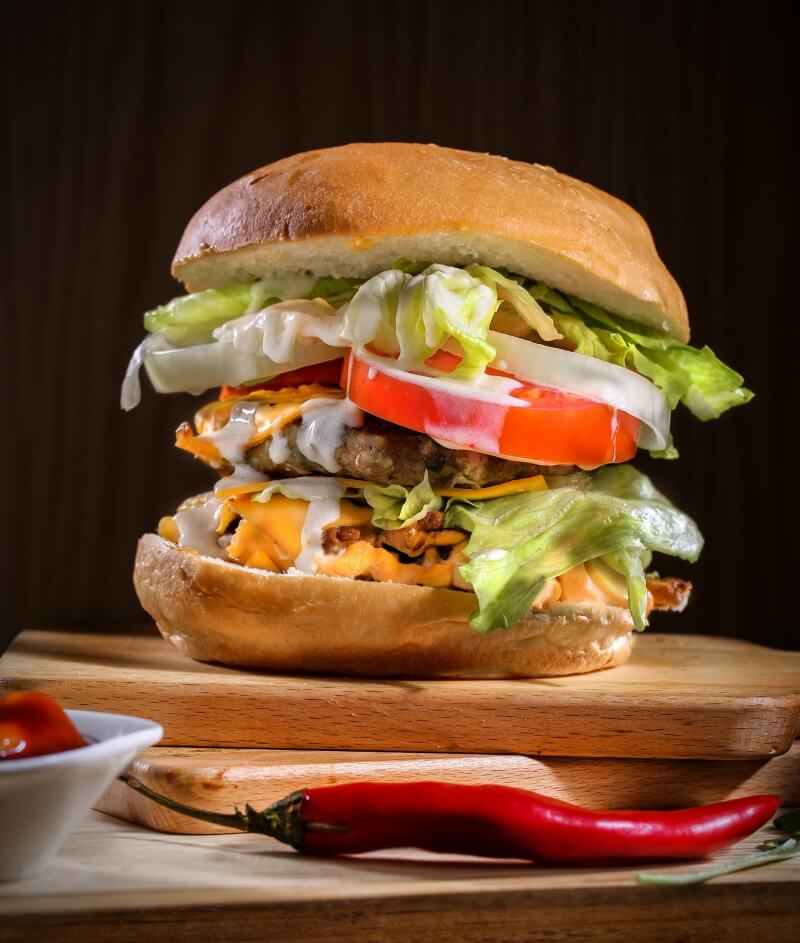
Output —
<point x="354" y="210"/>
<point x="216" y="611"/>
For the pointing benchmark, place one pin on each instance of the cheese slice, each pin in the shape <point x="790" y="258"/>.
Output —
<point x="519" y="485"/>
<point x="361" y="559"/>
<point x="269" y="537"/>
<point x="278" y="408"/>
<point x="274" y="530"/>
<point x="534" y="483"/>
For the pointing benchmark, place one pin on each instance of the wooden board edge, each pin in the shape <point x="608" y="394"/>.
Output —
<point x="220" y="785"/>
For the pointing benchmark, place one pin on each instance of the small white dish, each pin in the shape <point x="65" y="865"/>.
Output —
<point x="42" y="799"/>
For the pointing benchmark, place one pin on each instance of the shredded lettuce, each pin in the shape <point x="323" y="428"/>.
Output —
<point x="394" y="506"/>
<point x="521" y="301"/>
<point x="632" y="563"/>
<point x="335" y="290"/>
<point x="416" y="315"/>
<point x="414" y="309"/>
<point x="192" y="318"/>
<point x="519" y="542"/>
<point x="409" y="267"/>
<point x="695" y="377"/>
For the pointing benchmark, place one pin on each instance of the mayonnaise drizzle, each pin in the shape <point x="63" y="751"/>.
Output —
<point x="322" y="429"/>
<point x="243" y="474"/>
<point x="279" y="450"/>
<point x="488" y="387"/>
<point x="323" y="496"/>
<point x="275" y="331"/>
<point x="231" y="438"/>
<point x="321" y="432"/>
<point x="197" y="528"/>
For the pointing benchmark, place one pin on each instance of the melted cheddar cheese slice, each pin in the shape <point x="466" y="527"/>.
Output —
<point x="272" y="532"/>
<point x="274" y="410"/>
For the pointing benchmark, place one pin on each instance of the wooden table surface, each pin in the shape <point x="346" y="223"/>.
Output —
<point x="118" y="882"/>
<point x="680" y="697"/>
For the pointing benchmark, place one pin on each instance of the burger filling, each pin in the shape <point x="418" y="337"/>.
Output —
<point x="444" y="427"/>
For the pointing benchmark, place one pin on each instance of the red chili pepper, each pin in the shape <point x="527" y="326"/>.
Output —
<point x="490" y="821"/>
<point x="32" y="724"/>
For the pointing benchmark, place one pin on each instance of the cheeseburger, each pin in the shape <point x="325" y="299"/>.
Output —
<point x="430" y="371"/>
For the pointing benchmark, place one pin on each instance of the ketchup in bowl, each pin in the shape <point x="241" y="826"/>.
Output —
<point x="32" y="724"/>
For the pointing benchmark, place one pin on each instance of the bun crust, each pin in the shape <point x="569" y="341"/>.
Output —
<point x="221" y="612"/>
<point x="353" y="210"/>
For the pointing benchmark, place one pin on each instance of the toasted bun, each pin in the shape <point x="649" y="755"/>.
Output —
<point x="221" y="612"/>
<point x="353" y="210"/>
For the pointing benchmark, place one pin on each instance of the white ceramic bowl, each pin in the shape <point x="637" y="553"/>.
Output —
<point x="42" y="799"/>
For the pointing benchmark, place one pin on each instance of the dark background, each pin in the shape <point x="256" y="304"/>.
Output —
<point x="120" y="119"/>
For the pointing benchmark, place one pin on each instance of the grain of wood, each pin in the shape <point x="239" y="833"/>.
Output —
<point x="681" y="697"/>
<point x="221" y="780"/>
<point x="116" y="883"/>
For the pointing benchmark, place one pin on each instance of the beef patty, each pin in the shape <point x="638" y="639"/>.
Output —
<point x="387" y="454"/>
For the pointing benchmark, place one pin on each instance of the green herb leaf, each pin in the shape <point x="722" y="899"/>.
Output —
<point x="788" y="848"/>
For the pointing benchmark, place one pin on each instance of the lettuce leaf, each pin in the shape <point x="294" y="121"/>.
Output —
<point x="695" y="377"/>
<point x="335" y="290"/>
<point x="416" y="315"/>
<point x="192" y="318"/>
<point x="511" y="292"/>
<point x="519" y="542"/>
<point x="414" y="309"/>
<point x="631" y="563"/>
<point x="394" y="506"/>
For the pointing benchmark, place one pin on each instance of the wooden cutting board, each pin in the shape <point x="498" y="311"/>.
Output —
<point x="114" y="882"/>
<point x="680" y="697"/>
<point x="220" y="780"/>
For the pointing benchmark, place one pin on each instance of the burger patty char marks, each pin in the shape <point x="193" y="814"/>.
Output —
<point x="388" y="454"/>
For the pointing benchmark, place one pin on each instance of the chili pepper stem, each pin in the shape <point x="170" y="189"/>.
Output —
<point x="281" y="820"/>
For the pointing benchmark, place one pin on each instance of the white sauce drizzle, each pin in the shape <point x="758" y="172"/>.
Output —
<point x="320" y="434"/>
<point x="614" y="432"/>
<point x="323" y="496"/>
<point x="243" y="474"/>
<point x="322" y="429"/>
<point x="279" y="450"/>
<point x="231" y="438"/>
<point x="277" y="330"/>
<point x="197" y="528"/>
<point x="488" y="387"/>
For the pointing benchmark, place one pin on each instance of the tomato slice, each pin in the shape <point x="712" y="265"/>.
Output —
<point x="546" y="425"/>
<point x="326" y="374"/>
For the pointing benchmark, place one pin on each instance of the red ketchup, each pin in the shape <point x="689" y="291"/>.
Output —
<point x="32" y="724"/>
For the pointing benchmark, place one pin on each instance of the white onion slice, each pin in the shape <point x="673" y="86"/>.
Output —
<point x="586" y="376"/>
<point x="197" y="369"/>
<point x="285" y="336"/>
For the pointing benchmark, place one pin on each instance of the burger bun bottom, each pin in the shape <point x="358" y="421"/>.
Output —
<point x="215" y="611"/>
